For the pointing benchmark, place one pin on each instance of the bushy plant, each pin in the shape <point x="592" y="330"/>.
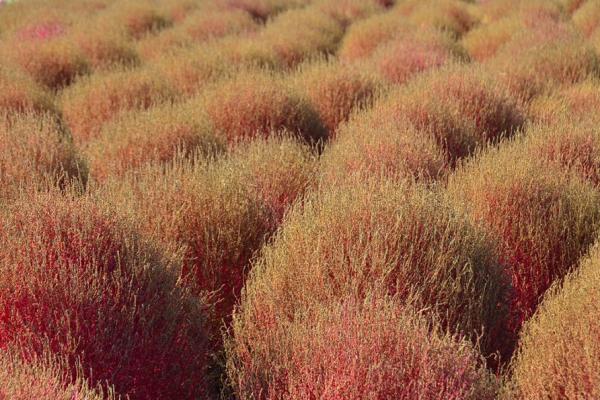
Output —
<point x="156" y="135"/>
<point x="256" y="103"/>
<point x="335" y="90"/>
<point x="381" y="237"/>
<point x="395" y="150"/>
<point x="97" y="99"/>
<point x="296" y="35"/>
<point x="353" y="349"/>
<point x="559" y="352"/>
<point x="36" y="154"/>
<point x="364" y="36"/>
<point x="541" y="68"/>
<point x="200" y="212"/>
<point x="542" y="219"/>
<point x="405" y="56"/>
<point x="19" y="93"/>
<point x="80" y="283"/>
<point x="43" y="378"/>
<point x="463" y="109"/>
<point x="575" y="102"/>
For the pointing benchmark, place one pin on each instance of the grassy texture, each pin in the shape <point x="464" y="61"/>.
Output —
<point x="329" y="353"/>
<point x="542" y="220"/>
<point x="373" y="240"/>
<point x="298" y="199"/>
<point x="79" y="283"/>
<point x="559" y="351"/>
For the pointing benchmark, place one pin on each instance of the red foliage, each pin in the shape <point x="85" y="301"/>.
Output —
<point x="77" y="283"/>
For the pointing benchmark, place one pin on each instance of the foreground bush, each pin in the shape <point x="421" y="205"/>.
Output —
<point x="543" y="219"/>
<point x="386" y="238"/>
<point x="559" y="354"/>
<point x="335" y="90"/>
<point x="36" y="154"/>
<point x="42" y="379"/>
<point x="157" y="135"/>
<point x="203" y="213"/>
<point x="350" y="350"/>
<point x="256" y="103"/>
<point x="96" y="100"/>
<point x="79" y="283"/>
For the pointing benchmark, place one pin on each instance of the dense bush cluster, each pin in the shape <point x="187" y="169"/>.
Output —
<point x="299" y="199"/>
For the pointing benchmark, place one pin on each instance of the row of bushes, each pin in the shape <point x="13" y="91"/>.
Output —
<point x="226" y="210"/>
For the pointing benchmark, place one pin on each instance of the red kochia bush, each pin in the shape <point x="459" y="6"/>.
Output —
<point x="77" y="282"/>
<point x="462" y="106"/>
<point x="203" y="213"/>
<point x="543" y="219"/>
<point x="559" y="353"/>
<point x="256" y="103"/>
<point x="36" y="153"/>
<point x="20" y="93"/>
<point x="336" y="90"/>
<point x="377" y="236"/>
<point x="43" y="378"/>
<point x="353" y="350"/>
<point x="573" y="145"/>
<point x="407" y="55"/>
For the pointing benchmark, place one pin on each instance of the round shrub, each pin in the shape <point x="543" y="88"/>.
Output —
<point x="43" y="378"/>
<point x="559" y="353"/>
<point x="36" y="154"/>
<point x="407" y="55"/>
<point x="97" y="99"/>
<point x="77" y="282"/>
<point x="53" y="63"/>
<point x="484" y="41"/>
<point x="349" y="11"/>
<point x="572" y="145"/>
<point x="452" y="16"/>
<point x="335" y="90"/>
<point x="462" y="106"/>
<point x="205" y="25"/>
<point x="190" y="69"/>
<point x="133" y="17"/>
<point x="102" y="49"/>
<point x="277" y="170"/>
<point x="370" y="145"/>
<point x="376" y="349"/>
<point x="541" y="68"/>
<point x="378" y="237"/>
<point x="586" y="17"/>
<point x="296" y="35"/>
<point x="157" y="135"/>
<point x="365" y="36"/>
<point x="263" y="9"/>
<point x="575" y="102"/>
<point x="542" y="219"/>
<point x="203" y="213"/>
<point x="256" y="103"/>
<point x="19" y="93"/>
